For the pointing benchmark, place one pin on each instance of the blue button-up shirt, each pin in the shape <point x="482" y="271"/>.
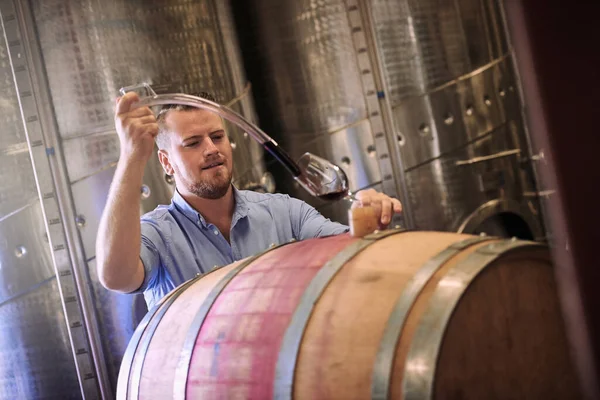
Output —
<point x="178" y="243"/>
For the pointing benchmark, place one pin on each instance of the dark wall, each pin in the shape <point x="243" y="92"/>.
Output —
<point x="557" y="47"/>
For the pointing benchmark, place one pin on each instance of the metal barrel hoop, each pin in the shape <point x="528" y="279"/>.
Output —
<point x="419" y="369"/>
<point x="384" y="362"/>
<point x="149" y="323"/>
<point x="290" y="345"/>
<point x="183" y="366"/>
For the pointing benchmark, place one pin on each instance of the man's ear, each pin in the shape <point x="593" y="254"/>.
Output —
<point x="163" y="157"/>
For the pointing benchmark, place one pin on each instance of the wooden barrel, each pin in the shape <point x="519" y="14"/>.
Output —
<point x="400" y="315"/>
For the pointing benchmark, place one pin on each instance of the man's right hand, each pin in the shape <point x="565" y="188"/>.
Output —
<point x="137" y="128"/>
<point x="118" y="240"/>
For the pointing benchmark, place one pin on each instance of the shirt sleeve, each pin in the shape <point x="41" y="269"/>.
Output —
<point x="309" y="223"/>
<point x="153" y="245"/>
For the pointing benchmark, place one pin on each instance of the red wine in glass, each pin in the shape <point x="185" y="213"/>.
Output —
<point x="334" y="196"/>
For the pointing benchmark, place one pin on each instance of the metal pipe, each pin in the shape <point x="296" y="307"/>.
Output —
<point x="391" y="130"/>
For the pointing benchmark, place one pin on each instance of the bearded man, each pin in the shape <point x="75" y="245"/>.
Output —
<point x="209" y="222"/>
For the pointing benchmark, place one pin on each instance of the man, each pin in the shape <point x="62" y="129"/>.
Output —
<point x="209" y="222"/>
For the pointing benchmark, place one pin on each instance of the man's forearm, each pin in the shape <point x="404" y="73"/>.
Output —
<point x="119" y="238"/>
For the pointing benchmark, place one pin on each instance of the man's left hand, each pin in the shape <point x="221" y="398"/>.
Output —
<point x="384" y="205"/>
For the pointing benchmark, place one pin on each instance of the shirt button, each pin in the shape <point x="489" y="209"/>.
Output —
<point x="216" y="232"/>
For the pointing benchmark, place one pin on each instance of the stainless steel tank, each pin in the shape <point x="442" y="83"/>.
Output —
<point x="58" y="155"/>
<point x="442" y="73"/>
<point x="313" y="97"/>
<point x="35" y="351"/>
<point x="455" y="106"/>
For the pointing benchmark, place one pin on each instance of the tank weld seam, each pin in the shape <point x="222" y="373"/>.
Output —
<point x="27" y="291"/>
<point x="460" y="147"/>
<point x="241" y="96"/>
<point x="455" y="81"/>
<point x="29" y="204"/>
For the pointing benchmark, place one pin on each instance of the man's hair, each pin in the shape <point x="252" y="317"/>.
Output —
<point x="162" y="138"/>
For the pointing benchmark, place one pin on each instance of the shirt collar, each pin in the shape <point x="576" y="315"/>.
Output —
<point x="241" y="206"/>
<point x="240" y="211"/>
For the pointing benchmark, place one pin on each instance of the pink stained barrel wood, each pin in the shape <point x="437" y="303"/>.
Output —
<point x="407" y="315"/>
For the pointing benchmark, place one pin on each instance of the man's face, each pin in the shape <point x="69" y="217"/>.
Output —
<point x="199" y="155"/>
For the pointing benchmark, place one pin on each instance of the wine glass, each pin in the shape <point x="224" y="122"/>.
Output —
<point x="322" y="178"/>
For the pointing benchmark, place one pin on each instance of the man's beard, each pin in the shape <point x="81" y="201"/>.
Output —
<point x="211" y="190"/>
